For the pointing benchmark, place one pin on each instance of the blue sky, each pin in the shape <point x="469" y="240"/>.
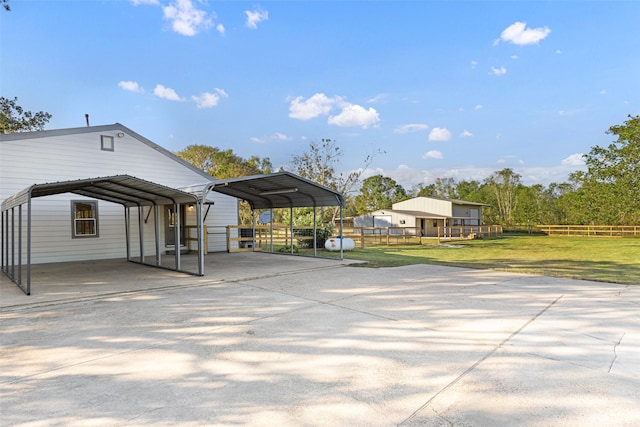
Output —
<point x="438" y="88"/>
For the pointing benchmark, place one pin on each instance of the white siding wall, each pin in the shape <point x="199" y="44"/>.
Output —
<point x="426" y="204"/>
<point x="25" y="162"/>
<point x="367" y="220"/>
<point x="461" y="211"/>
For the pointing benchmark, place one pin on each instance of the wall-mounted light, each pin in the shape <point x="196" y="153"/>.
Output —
<point x="279" y="191"/>
<point x="120" y="134"/>
<point x="190" y="206"/>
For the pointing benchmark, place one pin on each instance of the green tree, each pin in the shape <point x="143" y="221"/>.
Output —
<point x="319" y="164"/>
<point x="5" y="5"/>
<point x="378" y="192"/>
<point x="613" y="176"/>
<point x="446" y="188"/>
<point x="502" y="187"/>
<point x="13" y="118"/>
<point x="224" y="164"/>
<point x="528" y="209"/>
<point x="428" y="190"/>
<point x="469" y="191"/>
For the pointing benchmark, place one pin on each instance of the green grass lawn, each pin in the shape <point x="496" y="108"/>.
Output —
<point x="602" y="259"/>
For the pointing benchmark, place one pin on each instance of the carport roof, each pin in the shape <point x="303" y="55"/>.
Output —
<point x="278" y="190"/>
<point x="123" y="189"/>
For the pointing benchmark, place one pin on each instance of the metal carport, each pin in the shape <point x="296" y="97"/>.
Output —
<point x="268" y="191"/>
<point x="280" y="190"/>
<point x="128" y="191"/>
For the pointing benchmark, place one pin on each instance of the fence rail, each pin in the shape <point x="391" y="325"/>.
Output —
<point x="407" y="235"/>
<point x="241" y="238"/>
<point x="591" y="230"/>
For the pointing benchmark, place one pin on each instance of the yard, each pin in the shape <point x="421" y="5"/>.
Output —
<point x="615" y="260"/>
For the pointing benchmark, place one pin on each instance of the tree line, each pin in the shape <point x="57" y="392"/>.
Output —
<point x="606" y="193"/>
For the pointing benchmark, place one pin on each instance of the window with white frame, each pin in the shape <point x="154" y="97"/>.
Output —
<point x="84" y="217"/>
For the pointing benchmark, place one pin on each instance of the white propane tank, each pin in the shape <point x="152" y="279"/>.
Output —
<point x="333" y="244"/>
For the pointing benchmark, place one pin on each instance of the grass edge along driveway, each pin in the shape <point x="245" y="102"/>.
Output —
<point x="615" y="260"/>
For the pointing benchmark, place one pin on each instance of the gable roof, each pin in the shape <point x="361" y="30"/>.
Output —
<point x="278" y="190"/>
<point x="123" y="189"/>
<point x="116" y="127"/>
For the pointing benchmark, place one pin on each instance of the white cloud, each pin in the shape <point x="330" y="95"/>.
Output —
<point x="473" y="64"/>
<point x="433" y="154"/>
<point x="321" y="105"/>
<point x="317" y="105"/>
<point x="498" y="71"/>
<point x="139" y="2"/>
<point x="478" y="107"/>
<point x="166" y="93"/>
<point x="208" y="100"/>
<point x="185" y="18"/>
<point x="409" y="177"/>
<point x="275" y="137"/>
<point x="254" y="17"/>
<point x="518" y="33"/>
<point x="558" y="52"/>
<point x="412" y="127"/>
<point x="439" y="134"/>
<point x="465" y="134"/>
<point x="380" y="98"/>
<point x="514" y="56"/>
<point x="603" y="92"/>
<point x="573" y="160"/>
<point x="130" y="86"/>
<point x="355" y="115"/>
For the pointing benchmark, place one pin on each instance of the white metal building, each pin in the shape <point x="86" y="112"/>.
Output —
<point x="69" y="227"/>
<point x="425" y="213"/>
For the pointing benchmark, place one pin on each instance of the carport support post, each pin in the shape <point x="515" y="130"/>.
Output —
<point x="314" y="231"/>
<point x="13" y="243"/>
<point x="2" y="242"/>
<point x="127" y="230"/>
<point x="176" y="233"/>
<point x="20" y="243"/>
<point x="141" y="233"/>
<point x="291" y="226"/>
<point x="156" y="226"/>
<point x="341" y="236"/>
<point x="253" y="231"/>
<point x="29" y="244"/>
<point x="200" y="230"/>
<point x="271" y="228"/>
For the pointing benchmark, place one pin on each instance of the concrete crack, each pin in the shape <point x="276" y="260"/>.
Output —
<point x="478" y="362"/>
<point x="615" y="354"/>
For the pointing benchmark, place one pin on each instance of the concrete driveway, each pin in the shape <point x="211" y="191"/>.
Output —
<point x="287" y="341"/>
